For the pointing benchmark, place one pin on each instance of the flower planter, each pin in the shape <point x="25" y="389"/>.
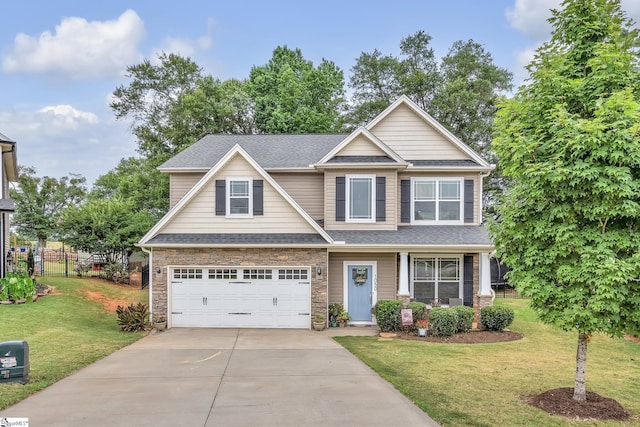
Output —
<point x="161" y="326"/>
<point x="422" y="332"/>
<point x="319" y="326"/>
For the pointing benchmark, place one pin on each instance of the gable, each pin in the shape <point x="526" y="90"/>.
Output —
<point x="361" y="146"/>
<point x="199" y="216"/>
<point x="409" y="135"/>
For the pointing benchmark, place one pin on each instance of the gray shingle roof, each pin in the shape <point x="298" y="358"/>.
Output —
<point x="7" y="205"/>
<point x="270" y="151"/>
<point x="416" y="235"/>
<point x="237" y="239"/>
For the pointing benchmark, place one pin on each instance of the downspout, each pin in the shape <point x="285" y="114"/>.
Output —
<point x="482" y="177"/>
<point x="150" y="280"/>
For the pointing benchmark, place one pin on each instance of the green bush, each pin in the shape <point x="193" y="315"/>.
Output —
<point x="133" y="318"/>
<point x="418" y="310"/>
<point x="387" y="314"/>
<point x="496" y="318"/>
<point x="443" y="321"/>
<point x="17" y="286"/>
<point x="465" y="318"/>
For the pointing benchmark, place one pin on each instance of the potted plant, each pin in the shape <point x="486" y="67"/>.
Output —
<point x="422" y="325"/>
<point x="343" y="318"/>
<point x="334" y="311"/>
<point x="160" y="322"/>
<point x="318" y="322"/>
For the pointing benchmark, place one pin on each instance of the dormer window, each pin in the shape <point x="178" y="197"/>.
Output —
<point x="361" y="197"/>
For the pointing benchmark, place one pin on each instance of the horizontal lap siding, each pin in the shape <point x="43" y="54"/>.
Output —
<point x="198" y="216"/>
<point x="307" y="189"/>
<point x="330" y="222"/>
<point x="413" y="138"/>
<point x="387" y="274"/>
<point x="180" y="184"/>
<point x="361" y="146"/>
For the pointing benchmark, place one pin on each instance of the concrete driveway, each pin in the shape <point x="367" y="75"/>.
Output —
<point x="223" y="377"/>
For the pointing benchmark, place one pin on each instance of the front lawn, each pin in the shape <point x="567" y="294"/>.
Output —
<point x="65" y="331"/>
<point x="482" y="384"/>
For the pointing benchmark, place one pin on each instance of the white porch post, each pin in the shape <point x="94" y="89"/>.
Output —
<point x="403" y="285"/>
<point x="485" y="275"/>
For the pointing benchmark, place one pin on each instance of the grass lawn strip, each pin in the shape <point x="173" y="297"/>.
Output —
<point x="484" y="384"/>
<point x="65" y="331"/>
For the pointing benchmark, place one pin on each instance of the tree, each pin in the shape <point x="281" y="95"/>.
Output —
<point x="41" y="201"/>
<point x="568" y="228"/>
<point x="293" y="96"/>
<point x="108" y="227"/>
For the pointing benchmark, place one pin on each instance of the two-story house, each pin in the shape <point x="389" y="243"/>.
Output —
<point x="9" y="173"/>
<point x="268" y="230"/>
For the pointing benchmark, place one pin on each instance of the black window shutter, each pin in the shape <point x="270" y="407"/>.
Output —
<point x="340" y="198"/>
<point x="468" y="200"/>
<point x="405" y="200"/>
<point x="221" y="197"/>
<point x="258" y="198"/>
<point x="381" y="198"/>
<point x="467" y="286"/>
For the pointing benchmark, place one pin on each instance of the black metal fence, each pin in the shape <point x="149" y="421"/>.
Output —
<point x="62" y="263"/>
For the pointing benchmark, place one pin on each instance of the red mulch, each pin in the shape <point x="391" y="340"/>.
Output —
<point x="560" y="402"/>
<point x="471" y="337"/>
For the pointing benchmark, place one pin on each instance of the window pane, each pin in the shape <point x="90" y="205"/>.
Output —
<point x="448" y="290"/>
<point x="424" y="210"/>
<point x="424" y="291"/>
<point x="449" y="211"/>
<point x="360" y="198"/>
<point x="239" y="188"/>
<point x="239" y="206"/>
<point x="424" y="190"/>
<point x="449" y="269"/>
<point x="449" y="190"/>
<point x="424" y="268"/>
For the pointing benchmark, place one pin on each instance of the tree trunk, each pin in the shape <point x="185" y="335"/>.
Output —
<point x="580" y="388"/>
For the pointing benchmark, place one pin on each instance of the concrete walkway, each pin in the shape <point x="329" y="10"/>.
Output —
<point x="224" y="377"/>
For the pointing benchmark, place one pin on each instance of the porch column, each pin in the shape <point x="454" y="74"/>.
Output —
<point x="403" y="285"/>
<point x="485" y="275"/>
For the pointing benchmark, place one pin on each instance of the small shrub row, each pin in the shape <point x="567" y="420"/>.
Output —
<point x="496" y="318"/>
<point x="448" y="321"/>
<point x="388" y="315"/>
<point x="133" y="318"/>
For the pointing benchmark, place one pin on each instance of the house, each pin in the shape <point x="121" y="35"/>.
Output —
<point x="268" y="230"/>
<point x="9" y="173"/>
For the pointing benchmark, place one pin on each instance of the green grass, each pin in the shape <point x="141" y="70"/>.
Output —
<point x="65" y="332"/>
<point x="482" y="384"/>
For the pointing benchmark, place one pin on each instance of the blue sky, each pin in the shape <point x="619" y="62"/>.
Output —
<point x="61" y="60"/>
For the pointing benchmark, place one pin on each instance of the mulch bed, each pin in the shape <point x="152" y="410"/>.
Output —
<point x="471" y="337"/>
<point x="560" y="402"/>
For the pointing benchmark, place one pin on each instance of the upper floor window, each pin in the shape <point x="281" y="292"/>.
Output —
<point x="361" y="198"/>
<point x="436" y="199"/>
<point x="239" y="195"/>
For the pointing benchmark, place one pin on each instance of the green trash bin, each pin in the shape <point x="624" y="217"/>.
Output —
<point x="14" y="362"/>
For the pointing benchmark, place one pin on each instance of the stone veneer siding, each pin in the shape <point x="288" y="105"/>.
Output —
<point x="249" y="257"/>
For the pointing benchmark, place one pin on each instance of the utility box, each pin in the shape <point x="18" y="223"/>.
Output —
<point x="14" y="362"/>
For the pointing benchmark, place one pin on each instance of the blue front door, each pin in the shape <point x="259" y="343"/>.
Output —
<point x="360" y="291"/>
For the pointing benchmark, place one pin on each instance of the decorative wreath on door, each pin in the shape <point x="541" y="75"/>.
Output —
<point x="360" y="276"/>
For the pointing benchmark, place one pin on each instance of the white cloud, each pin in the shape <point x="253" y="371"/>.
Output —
<point x="184" y="46"/>
<point x="59" y="140"/>
<point x="530" y="17"/>
<point x="78" y="48"/>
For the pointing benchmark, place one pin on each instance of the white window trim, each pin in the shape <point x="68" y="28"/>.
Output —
<point x="437" y="201"/>
<point x="347" y="207"/>
<point x="437" y="257"/>
<point x="249" y="180"/>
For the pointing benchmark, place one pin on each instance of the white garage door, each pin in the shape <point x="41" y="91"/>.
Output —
<point x="229" y="297"/>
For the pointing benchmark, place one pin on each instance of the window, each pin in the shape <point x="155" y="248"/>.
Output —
<point x="361" y="196"/>
<point x="240" y="198"/>
<point x="436" y="277"/>
<point x="223" y="273"/>
<point x="436" y="200"/>
<point x="187" y="273"/>
<point x="293" y="274"/>
<point x="257" y="274"/>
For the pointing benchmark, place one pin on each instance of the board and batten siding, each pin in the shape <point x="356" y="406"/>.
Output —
<point x="476" y="189"/>
<point x="390" y="221"/>
<point x="413" y="138"/>
<point x="180" y="184"/>
<point x="387" y="267"/>
<point x="307" y="189"/>
<point x="361" y="146"/>
<point x="198" y="216"/>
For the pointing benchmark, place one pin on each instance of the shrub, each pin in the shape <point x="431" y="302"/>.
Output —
<point x="443" y="321"/>
<point x="18" y="286"/>
<point x="418" y="310"/>
<point x="465" y="318"/>
<point x="496" y="318"/>
<point x="115" y="272"/>
<point x="387" y="314"/>
<point x="133" y="318"/>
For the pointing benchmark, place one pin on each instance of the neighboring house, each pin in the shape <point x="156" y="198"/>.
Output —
<point x="268" y="230"/>
<point x="9" y="173"/>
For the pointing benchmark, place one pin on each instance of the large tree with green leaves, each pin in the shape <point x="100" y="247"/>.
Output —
<point x="293" y="96"/>
<point x="570" y="140"/>
<point x="40" y="202"/>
